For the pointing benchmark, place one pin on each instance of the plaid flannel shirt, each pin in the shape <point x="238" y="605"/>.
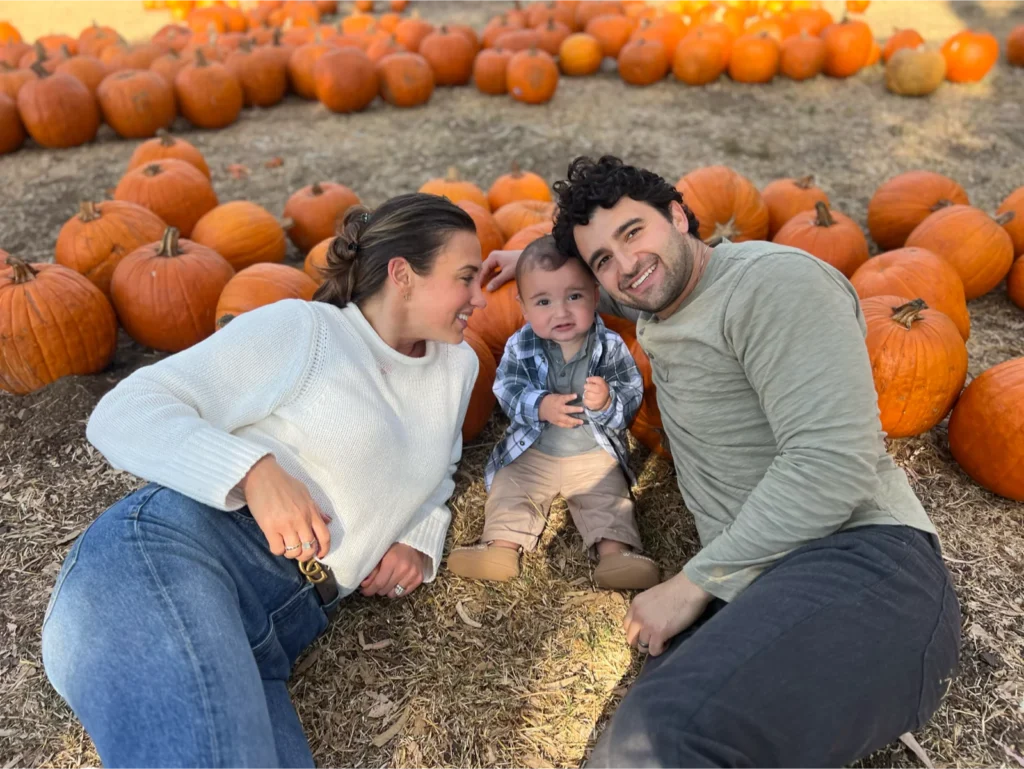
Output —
<point x="521" y="383"/>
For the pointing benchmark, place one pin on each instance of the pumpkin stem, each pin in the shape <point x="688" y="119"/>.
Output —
<point x="87" y="211"/>
<point x="245" y="45"/>
<point x="941" y="203"/>
<point x="153" y="169"/>
<point x="23" y="271"/>
<point x="40" y="52"/>
<point x="166" y="140"/>
<point x="317" y="189"/>
<point x="824" y="218"/>
<point x="516" y="170"/>
<point x="907" y="314"/>
<point x="65" y="50"/>
<point x="223" y="320"/>
<point x="287" y="223"/>
<point x="453" y="174"/>
<point x="200" y="59"/>
<point x="169" y="243"/>
<point x="805" y="182"/>
<point x="275" y="39"/>
<point x="39" y="69"/>
<point x="1005" y="218"/>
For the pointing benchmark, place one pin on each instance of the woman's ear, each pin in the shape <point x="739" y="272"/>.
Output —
<point x="400" y="275"/>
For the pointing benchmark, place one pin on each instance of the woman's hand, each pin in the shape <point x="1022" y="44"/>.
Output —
<point x="502" y="261"/>
<point x="659" y="614"/>
<point x="285" y="512"/>
<point x="401" y="565"/>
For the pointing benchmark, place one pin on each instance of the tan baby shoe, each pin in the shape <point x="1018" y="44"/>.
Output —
<point x="484" y="561"/>
<point x="626" y="571"/>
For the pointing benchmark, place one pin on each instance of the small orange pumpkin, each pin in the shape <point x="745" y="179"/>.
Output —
<point x="490" y="71"/>
<point x="786" y="198"/>
<point x="243" y="233"/>
<point x="499" y="320"/>
<point x="970" y="55"/>
<point x="612" y="31"/>
<point x="406" y="79"/>
<point x="209" y="95"/>
<point x="726" y="204"/>
<point x="172" y="189"/>
<point x="316" y="260"/>
<point x="260" y="72"/>
<point x="302" y="64"/>
<point x="450" y="55"/>
<point x="901" y="38"/>
<point x="314" y="212"/>
<point x="136" y="103"/>
<point x="552" y="35"/>
<point x="455" y="189"/>
<point x="259" y="285"/>
<point x="57" y="110"/>
<point x="906" y="200"/>
<point x="580" y="54"/>
<point x="520" y="214"/>
<point x="12" y="132"/>
<point x="754" y="58"/>
<point x="89" y="70"/>
<point x="167" y="147"/>
<point x="532" y="76"/>
<point x="517" y="185"/>
<point x="527" y="235"/>
<point x="643" y="62"/>
<point x="346" y="80"/>
<point x="699" y="59"/>
<point x="847" y="47"/>
<point x="829" y="235"/>
<point x="803" y="56"/>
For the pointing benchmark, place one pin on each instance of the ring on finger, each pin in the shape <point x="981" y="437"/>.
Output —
<point x="643" y="645"/>
<point x="308" y="545"/>
<point x="399" y="590"/>
<point x="288" y="549"/>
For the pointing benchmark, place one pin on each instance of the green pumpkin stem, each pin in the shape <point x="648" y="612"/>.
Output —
<point x="907" y="314"/>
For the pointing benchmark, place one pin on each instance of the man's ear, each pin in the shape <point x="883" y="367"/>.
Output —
<point x="679" y="220"/>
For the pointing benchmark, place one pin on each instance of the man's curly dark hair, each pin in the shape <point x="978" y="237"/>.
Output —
<point x="604" y="183"/>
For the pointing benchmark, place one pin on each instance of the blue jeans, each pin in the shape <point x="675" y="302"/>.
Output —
<point x="171" y="633"/>
<point x="837" y="650"/>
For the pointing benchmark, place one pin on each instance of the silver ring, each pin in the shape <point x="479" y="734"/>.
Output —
<point x="642" y="645"/>
<point x="308" y="545"/>
<point x="293" y="547"/>
<point x="399" y="589"/>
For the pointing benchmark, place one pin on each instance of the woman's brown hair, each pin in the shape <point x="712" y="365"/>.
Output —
<point x="415" y="226"/>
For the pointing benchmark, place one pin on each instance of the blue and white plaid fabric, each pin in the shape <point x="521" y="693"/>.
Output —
<point x="521" y="383"/>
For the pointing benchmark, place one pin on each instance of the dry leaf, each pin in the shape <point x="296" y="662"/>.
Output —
<point x="238" y="171"/>
<point x="274" y="162"/>
<point x="383" y="707"/>
<point x="374" y="646"/>
<point x="915" y="748"/>
<point x="461" y="611"/>
<point x="306" y="663"/>
<point x="382" y="739"/>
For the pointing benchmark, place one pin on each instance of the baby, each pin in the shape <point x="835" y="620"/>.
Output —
<point x="562" y="357"/>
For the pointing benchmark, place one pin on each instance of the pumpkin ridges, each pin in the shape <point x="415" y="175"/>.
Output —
<point x="455" y="189"/>
<point x="786" y="198"/>
<point x="501" y="318"/>
<point x="482" y="400"/>
<point x="726" y="204"/>
<point x="243" y="233"/>
<point x="57" y="110"/>
<point x="315" y="211"/>
<point x="902" y="202"/>
<point x="136" y="103"/>
<point x="174" y="190"/>
<point x="829" y="235"/>
<point x="259" y="285"/>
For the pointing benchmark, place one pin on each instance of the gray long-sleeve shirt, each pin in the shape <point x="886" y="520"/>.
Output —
<point x="769" y="407"/>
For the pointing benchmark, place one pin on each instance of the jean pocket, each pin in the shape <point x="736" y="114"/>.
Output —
<point x="69" y="563"/>
<point x="243" y="515"/>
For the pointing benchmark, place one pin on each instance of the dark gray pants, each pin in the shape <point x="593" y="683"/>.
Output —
<point x="837" y="650"/>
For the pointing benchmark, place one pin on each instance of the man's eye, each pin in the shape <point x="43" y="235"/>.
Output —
<point x="632" y="232"/>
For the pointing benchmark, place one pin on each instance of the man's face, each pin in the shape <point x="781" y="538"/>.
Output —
<point x="642" y="259"/>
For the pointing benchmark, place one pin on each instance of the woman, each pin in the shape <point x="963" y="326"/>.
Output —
<point x="328" y="429"/>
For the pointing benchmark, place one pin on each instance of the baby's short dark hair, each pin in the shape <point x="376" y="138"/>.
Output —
<point x="543" y="254"/>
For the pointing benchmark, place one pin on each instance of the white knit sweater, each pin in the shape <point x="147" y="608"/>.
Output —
<point x="373" y="434"/>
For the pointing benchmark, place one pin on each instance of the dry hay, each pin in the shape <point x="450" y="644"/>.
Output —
<point x="415" y="682"/>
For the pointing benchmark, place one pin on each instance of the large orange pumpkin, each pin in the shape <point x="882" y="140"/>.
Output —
<point x="490" y="70"/>
<point x="1015" y="283"/>
<point x="166" y="293"/>
<point x="136" y="103"/>
<point x="450" y="54"/>
<point x="918" y="273"/>
<point x="260" y="72"/>
<point x="969" y="55"/>
<point x="167" y="147"/>
<point x="918" y="361"/>
<point x="88" y="70"/>
<point x="829" y="235"/>
<point x="259" y="285"/>
<point x="499" y="320"/>
<point x="986" y="429"/>
<point x="315" y="211"/>
<point x="487" y="230"/>
<point x="57" y="110"/>
<point x="1014" y="226"/>
<point x="517" y="185"/>
<point x="346" y="80"/>
<point x="455" y="189"/>
<point x="527" y="235"/>
<point x="100" y="235"/>
<point x="906" y="200"/>
<point x="174" y="190"/>
<point x="847" y="47"/>
<point x="209" y="95"/>
<point x="406" y="79"/>
<point x="726" y="204"/>
<point x="786" y="198"/>
<point x="481" y="400"/>
<point x="972" y="241"/>
<point x="53" y="323"/>
<point x="518" y="215"/>
<point x="243" y="233"/>
<point x="532" y="76"/>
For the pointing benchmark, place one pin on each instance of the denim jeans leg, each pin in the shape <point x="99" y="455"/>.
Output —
<point x="169" y="622"/>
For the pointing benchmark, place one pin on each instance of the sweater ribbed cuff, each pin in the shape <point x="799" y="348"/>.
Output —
<point x="211" y="464"/>
<point x="428" y="537"/>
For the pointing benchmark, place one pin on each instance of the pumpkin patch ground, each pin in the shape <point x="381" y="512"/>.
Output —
<point x="532" y="675"/>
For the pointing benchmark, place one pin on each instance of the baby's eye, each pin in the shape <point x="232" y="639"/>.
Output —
<point x="542" y="302"/>
<point x="574" y="297"/>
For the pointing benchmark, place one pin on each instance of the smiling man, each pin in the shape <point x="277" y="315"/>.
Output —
<point x="817" y="622"/>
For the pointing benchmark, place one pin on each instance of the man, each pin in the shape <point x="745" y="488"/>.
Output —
<point x="818" y="622"/>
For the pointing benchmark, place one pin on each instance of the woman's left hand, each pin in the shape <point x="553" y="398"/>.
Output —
<point x="401" y="566"/>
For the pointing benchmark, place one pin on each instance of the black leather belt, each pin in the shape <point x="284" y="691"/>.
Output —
<point x="324" y="582"/>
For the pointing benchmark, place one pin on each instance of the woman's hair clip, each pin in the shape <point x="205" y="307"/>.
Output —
<point x="365" y="217"/>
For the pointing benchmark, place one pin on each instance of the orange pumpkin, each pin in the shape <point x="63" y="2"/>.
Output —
<point x="167" y="147"/>
<point x="969" y="55"/>
<point x="487" y="230"/>
<point x="11" y="54"/>
<point x="668" y="29"/>
<point x="346" y="80"/>
<point x="168" y="66"/>
<point x="527" y="235"/>
<point x="813" y="21"/>
<point x="456" y="189"/>
<point x="316" y="260"/>
<point x="469" y="33"/>
<point x="410" y="33"/>
<point x="847" y="47"/>
<point x="519" y="40"/>
<point x="517" y="185"/>
<point x="699" y="59"/>
<point x="718" y="32"/>
<point x="857" y="6"/>
<point x="57" y="110"/>
<point x="260" y="72"/>
<point x="918" y="273"/>
<point x="972" y="241"/>
<point x="93" y="39"/>
<point x="121" y="56"/>
<point x="88" y="70"/>
<point x="490" y="71"/>
<point x="1015" y="283"/>
<point x="53" y="323"/>
<point x="12" y="80"/>
<point x="906" y="200"/>
<point x="786" y="198"/>
<point x="172" y="189"/>
<point x="9" y="33"/>
<point x="406" y="79"/>
<point x="986" y="426"/>
<point x="302" y="64"/>
<point x="481" y="400"/>
<point x="829" y="235"/>
<point x="136" y="103"/>
<point x="612" y="31"/>
<point x="499" y="320"/>
<point x="166" y="293"/>
<point x="12" y="132"/>
<point x="551" y="36"/>
<point x="381" y="47"/>
<point x="643" y="62"/>
<point x="532" y="77"/>
<point x="259" y="285"/>
<point x="209" y="95"/>
<point x="1015" y="46"/>
<point x="520" y="214"/>
<point x="802" y="57"/>
<point x="243" y="233"/>
<point x="875" y="55"/>
<point x="901" y="38"/>
<point x="754" y="58"/>
<point x="450" y="55"/>
<point x="580" y="54"/>
<point x="1014" y="225"/>
<point x="498" y="27"/>
<point x="726" y="204"/>
<point x="100" y="235"/>
<point x="315" y="211"/>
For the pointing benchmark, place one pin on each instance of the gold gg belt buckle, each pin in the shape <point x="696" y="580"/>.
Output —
<point x="312" y="570"/>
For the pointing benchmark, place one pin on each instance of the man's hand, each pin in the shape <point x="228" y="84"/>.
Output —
<point x="596" y="395"/>
<point x="401" y="565"/>
<point x="555" y="408"/>
<point x="285" y="512"/>
<point x="664" y="611"/>
<point x="504" y="263"/>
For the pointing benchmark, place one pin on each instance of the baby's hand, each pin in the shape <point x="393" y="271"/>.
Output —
<point x="596" y="395"/>
<point x="555" y="409"/>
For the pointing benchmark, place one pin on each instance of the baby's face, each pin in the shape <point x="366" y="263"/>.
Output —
<point x="560" y="304"/>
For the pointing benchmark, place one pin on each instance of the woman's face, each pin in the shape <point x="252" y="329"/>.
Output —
<point x="440" y="303"/>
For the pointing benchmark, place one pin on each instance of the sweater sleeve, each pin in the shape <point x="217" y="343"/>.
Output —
<point x="171" y="423"/>
<point x="429" y="525"/>
<point x="795" y="327"/>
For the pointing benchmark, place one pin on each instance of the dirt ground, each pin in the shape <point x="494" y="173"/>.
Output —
<point x="533" y="685"/>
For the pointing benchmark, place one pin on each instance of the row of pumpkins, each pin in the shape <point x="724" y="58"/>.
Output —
<point x="170" y="264"/>
<point x="61" y="88"/>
